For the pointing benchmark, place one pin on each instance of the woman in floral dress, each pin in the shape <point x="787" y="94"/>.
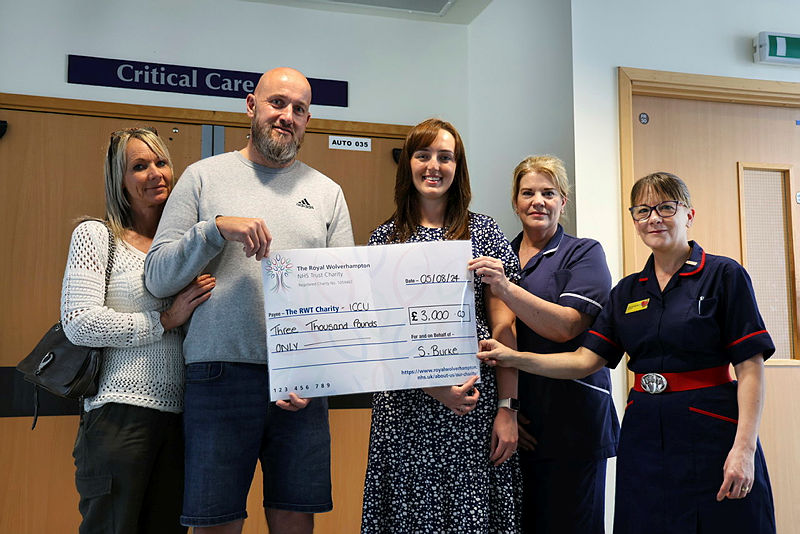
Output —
<point x="443" y="459"/>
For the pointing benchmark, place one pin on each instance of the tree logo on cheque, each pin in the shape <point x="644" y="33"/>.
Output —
<point x="279" y="269"/>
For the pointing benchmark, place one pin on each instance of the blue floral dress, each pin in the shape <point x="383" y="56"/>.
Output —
<point x="428" y="469"/>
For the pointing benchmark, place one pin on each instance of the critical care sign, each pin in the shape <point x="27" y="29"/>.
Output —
<point x="169" y="78"/>
<point x="155" y="75"/>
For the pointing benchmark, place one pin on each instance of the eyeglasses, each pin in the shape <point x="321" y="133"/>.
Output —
<point x="665" y="210"/>
<point x="117" y="135"/>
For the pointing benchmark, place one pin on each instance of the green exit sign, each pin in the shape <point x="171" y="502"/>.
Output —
<point x="777" y="48"/>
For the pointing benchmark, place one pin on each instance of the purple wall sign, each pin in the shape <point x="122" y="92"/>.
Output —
<point x="150" y="76"/>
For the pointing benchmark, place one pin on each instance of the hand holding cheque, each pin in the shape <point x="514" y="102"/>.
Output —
<point x="358" y="319"/>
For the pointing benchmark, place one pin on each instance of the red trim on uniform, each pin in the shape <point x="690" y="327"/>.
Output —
<point x="601" y="336"/>
<point x="745" y="337"/>
<point x="645" y="279"/>
<point x="711" y="414"/>
<point x="702" y="378"/>
<point x="628" y="405"/>
<point x="699" y="267"/>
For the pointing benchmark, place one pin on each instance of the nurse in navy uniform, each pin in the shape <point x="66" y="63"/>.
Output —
<point x="689" y="459"/>
<point x="568" y="428"/>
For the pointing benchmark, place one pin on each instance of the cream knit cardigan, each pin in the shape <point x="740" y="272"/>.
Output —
<point x="142" y="364"/>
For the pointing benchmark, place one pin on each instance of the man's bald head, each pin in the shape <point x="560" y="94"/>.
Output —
<point x="278" y="111"/>
<point x="284" y="77"/>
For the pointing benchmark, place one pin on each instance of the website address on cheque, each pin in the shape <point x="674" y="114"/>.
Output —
<point x="442" y="372"/>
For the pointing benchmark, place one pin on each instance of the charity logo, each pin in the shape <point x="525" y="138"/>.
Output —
<point x="279" y="269"/>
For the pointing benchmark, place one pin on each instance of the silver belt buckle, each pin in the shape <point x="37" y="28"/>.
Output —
<point x="653" y="383"/>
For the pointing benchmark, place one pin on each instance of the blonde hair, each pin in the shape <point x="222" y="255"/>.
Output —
<point x="118" y="208"/>
<point x="546" y="164"/>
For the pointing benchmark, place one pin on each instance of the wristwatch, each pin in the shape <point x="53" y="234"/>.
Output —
<point x="510" y="403"/>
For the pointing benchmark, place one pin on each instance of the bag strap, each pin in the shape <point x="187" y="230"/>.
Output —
<point x="112" y="249"/>
<point x="35" y="405"/>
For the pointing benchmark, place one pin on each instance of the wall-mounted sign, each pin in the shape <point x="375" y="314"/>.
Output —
<point x="777" y="48"/>
<point x="149" y="76"/>
<point x="362" y="144"/>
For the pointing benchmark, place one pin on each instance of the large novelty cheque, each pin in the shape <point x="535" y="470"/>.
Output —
<point x="358" y="319"/>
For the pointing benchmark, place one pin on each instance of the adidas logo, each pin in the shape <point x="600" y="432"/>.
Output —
<point x="305" y="204"/>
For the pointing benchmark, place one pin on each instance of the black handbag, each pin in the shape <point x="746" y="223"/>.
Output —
<point x="61" y="367"/>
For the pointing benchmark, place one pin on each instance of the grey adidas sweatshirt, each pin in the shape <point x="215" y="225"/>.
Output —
<point x="302" y="209"/>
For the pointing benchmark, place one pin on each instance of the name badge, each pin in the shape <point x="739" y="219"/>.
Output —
<point x="637" y="306"/>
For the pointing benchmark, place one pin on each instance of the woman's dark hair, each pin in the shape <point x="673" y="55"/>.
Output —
<point x="406" y="197"/>
<point x="662" y="184"/>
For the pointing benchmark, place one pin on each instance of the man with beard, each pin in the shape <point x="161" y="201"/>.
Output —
<point x="255" y="199"/>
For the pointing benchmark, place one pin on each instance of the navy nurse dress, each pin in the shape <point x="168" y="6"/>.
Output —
<point x="428" y="469"/>
<point x="673" y="445"/>
<point x="573" y="421"/>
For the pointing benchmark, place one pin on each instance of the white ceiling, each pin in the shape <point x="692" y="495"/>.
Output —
<point x="452" y="11"/>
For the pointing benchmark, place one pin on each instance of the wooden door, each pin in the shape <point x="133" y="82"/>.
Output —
<point x="704" y="143"/>
<point x="51" y="172"/>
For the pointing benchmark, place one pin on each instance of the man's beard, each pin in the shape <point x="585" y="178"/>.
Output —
<point x="277" y="151"/>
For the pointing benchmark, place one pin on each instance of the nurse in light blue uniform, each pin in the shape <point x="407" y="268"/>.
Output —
<point x="689" y="459"/>
<point x="568" y="428"/>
